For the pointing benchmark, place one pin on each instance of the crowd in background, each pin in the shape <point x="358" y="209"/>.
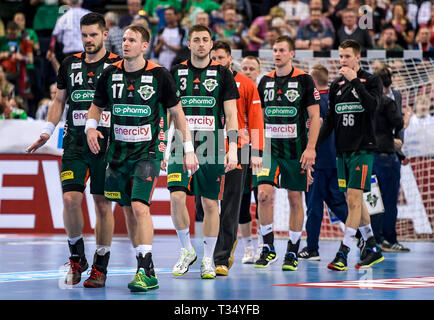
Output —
<point x="35" y="35"/>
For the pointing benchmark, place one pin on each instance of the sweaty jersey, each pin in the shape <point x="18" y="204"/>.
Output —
<point x="203" y="93"/>
<point x="285" y="101"/>
<point x="79" y="79"/>
<point x="351" y="112"/>
<point x="138" y="102"/>
<point x="249" y="113"/>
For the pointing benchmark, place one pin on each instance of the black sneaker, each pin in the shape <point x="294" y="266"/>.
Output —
<point x="340" y="261"/>
<point x="373" y="255"/>
<point x="361" y="244"/>
<point x="98" y="274"/>
<point x="77" y="266"/>
<point x="266" y="258"/>
<point x="311" y="255"/>
<point x="396" y="247"/>
<point x="291" y="261"/>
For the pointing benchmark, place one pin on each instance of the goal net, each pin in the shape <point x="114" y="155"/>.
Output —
<point x="413" y="77"/>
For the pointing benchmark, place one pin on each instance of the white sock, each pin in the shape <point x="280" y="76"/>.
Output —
<point x="209" y="246"/>
<point x="101" y="250"/>
<point x="143" y="249"/>
<point x="247" y="241"/>
<point x="184" y="237"/>
<point x="73" y="241"/>
<point x="366" y="231"/>
<point x="294" y="236"/>
<point x="260" y="239"/>
<point x="266" y="229"/>
<point x="349" y="235"/>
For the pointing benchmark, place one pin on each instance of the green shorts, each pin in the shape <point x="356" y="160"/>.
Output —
<point x="206" y="182"/>
<point x="292" y="176"/>
<point x="134" y="181"/>
<point x="76" y="170"/>
<point x="355" y="170"/>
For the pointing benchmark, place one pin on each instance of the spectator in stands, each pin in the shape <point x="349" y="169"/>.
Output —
<point x="334" y="12"/>
<point x="142" y="21"/>
<point x="378" y="18"/>
<point x="27" y="33"/>
<point x="403" y="27"/>
<point x="314" y="30"/>
<point x="350" y="30"/>
<point x="388" y="39"/>
<point x="326" y="22"/>
<point x="430" y="25"/>
<point x="113" y="42"/>
<point x="295" y="11"/>
<point x="134" y="6"/>
<point x="170" y="39"/>
<point x="154" y="12"/>
<point x="424" y="12"/>
<point x="285" y="27"/>
<point x="5" y="85"/>
<point x="51" y="57"/>
<point x="18" y="107"/>
<point x="5" y="108"/>
<point x="195" y="7"/>
<point x="423" y="40"/>
<point x="45" y="18"/>
<point x="272" y="34"/>
<point x="258" y="29"/>
<point x="315" y="44"/>
<point x="15" y="54"/>
<point x="44" y="104"/>
<point x="232" y="30"/>
<point x="67" y="30"/>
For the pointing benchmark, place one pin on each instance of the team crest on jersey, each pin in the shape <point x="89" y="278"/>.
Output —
<point x="146" y="92"/>
<point x="292" y="95"/>
<point x="210" y="84"/>
<point x="355" y="93"/>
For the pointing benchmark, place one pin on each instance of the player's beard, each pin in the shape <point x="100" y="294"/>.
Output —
<point x="96" y="50"/>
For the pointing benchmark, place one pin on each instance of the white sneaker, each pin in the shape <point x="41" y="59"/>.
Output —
<point x="207" y="270"/>
<point x="186" y="259"/>
<point x="248" y="256"/>
<point x="258" y="252"/>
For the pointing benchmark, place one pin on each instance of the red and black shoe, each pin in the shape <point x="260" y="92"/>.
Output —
<point x="96" y="279"/>
<point x="76" y="267"/>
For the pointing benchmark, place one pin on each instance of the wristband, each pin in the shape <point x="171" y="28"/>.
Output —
<point x="233" y="136"/>
<point x="90" y="124"/>
<point x="188" y="147"/>
<point x="49" y="128"/>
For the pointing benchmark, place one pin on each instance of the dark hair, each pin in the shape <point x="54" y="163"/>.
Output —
<point x="198" y="28"/>
<point x="222" y="45"/>
<point x="140" y="29"/>
<point x="287" y="40"/>
<point x="93" y="18"/>
<point x="171" y="8"/>
<point x="12" y="26"/>
<point x="385" y="76"/>
<point x="351" y="44"/>
<point x="275" y="29"/>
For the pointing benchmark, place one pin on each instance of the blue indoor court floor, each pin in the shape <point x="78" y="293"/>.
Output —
<point x="32" y="268"/>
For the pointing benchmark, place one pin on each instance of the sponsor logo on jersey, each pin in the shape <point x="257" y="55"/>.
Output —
<point x="146" y="92"/>
<point x="269" y="84"/>
<point x="201" y="123"/>
<point x="292" y="95"/>
<point x="76" y="65"/>
<point x="316" y="94"/>
<point x="161" y="135"/>
<point x="147" y="79"/>
<point x="67" y="175"/>
<point x="82" y="95"/>
<point x="112" y="194"/>
<point x="161" y="122"/>
<point x="211" y="73"/>
<point x="280" y="111"/>
<point x="117" y="77"/>
<point x="339" y="93"/>
<point x="210" y="84"/>
<point x="132" y="133"/>
<point x="265" y="172"/>
<point x="174" y="177"/>
<point x="131" y="110"/>
<point x="162" y="147"/>
<point x="198" y="102"/>
<point x="281" y="131"/>
<point x="182" y="72"/>
<point x="354" y="92"/>
<point x="293" y="85"/>
<point x="348" y="107"/>
<point x="79" y="118"/>
<point x="342" y="183"/>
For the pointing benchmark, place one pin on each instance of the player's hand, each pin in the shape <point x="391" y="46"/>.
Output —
<point x="190" y="162"/>
<point x="38" y="143"/>
<point x="163" y="164"/>
<point x="307" y="159"/>
<point x="231" y="160"/>
<point x="398" y="143"/>
<point x="309" y="176"/>
<point x="256" y="165"/>
<point x="92" y="140"/>
<point x="348" y="73"/>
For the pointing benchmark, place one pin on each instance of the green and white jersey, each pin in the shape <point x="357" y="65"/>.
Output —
<point x="79" y="80"/>
<point x="138" y="103"/>
<point x="285" y="101"/>
<point x="203" y="93"/>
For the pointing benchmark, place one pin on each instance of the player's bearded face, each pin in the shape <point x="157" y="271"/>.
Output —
<point x="200" y="44"/>
<point x="93" y="38"/>
<point x="221" y="57"/>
